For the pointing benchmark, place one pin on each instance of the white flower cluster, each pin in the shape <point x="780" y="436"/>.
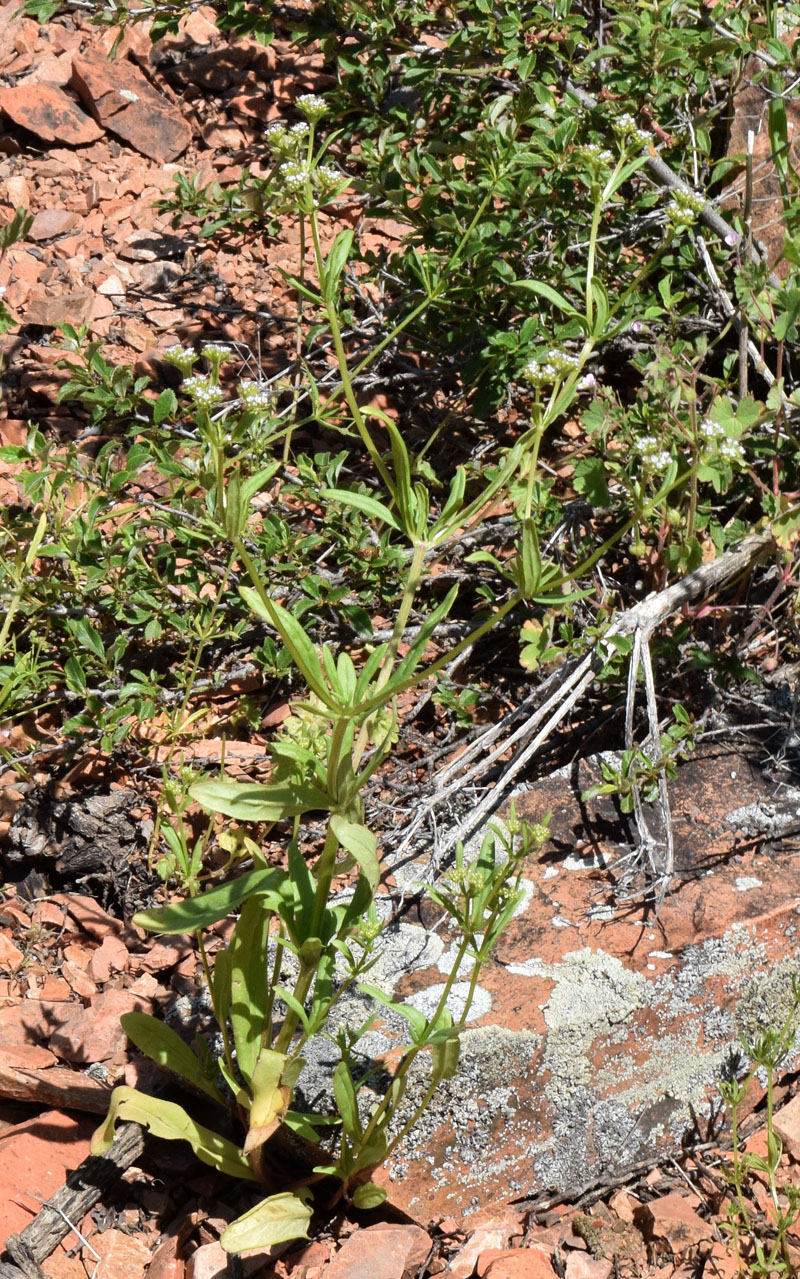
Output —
<point x="714" y="441"/>
<point x="312" y="106"/>
<point x="293" y="177"/>
<point x="255" y="396"/>
<point x="556" y="364"/>
<point x="628" y="129"/>
<point x="182" y="357"/>
<point x="203" y="391"/>
<point x="286" y="140"/>
<point x="684" y="207"/>
<point x="596" y="158"/>
<point x="653" y="456"/>
<point x="216" y="352"/>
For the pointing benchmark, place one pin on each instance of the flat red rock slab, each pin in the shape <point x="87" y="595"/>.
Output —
<point x="127" y="105"/>
<point x="598" y="1027"/>
<point x="38" y="1155"/>
<point x="49" y="113"/>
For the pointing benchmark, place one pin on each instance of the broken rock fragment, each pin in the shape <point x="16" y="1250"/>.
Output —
<point x="49" y="113"/>
<point x="126" y="104"/>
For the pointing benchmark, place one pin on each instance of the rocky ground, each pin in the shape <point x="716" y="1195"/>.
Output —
<point x="583" y="1140"/>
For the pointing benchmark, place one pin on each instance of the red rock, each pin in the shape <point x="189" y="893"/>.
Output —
<point x="166" y="1263"/>
<point x="47" y="915"/>
<point x="18" y="192"/>
<point x="581" y="1266"/>
<point x="380" y="1252"/>
<point x="521" y="1263"/>
<point x="30" y="1022"/>
<point x="110" y="957"/>
<point x="51" y="222"/>
<point x="52" y="70"/>
<point x="37" y="1156"/>
<point x="46" y="111"/>
<point x="305" y="1262"/>
<point x="26" y="1057"/>
<point x="671" y="1221"/>
<point x="787" y="1126"/>
<point x="10" y="955"/>
<point x="487" y="1259"/>
<point x="94" y="1034"/>
<point x="67" y="308"/>
<point x="161" y="955"/>
<point x="45" y="987"/>
<point x="121" y="1256"/>
<point x="492" y="1234"/>
<point x="127" y="105"/>
<point x="88" y="915"/>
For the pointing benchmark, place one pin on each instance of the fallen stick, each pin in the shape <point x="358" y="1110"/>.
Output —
<point x="576" y="676"/>
<point x="55" y="1086"/>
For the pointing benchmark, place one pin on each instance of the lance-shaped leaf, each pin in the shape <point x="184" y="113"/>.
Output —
<point x="247" y="957"/>
<point x="170" y="1121"/>
<point x="199" y="912"/>
<point x="250" y="802"/>
<point x="275" y="1220"/>
<point x="294" y="637"/>
<point x="362" y="502"/>
<point x="361" y="844"/>
<point x="166" y="1048"/>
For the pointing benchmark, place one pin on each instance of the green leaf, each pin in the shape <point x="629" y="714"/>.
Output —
<point x="294" y="637"/>
<point x="199" y="912"/>
<point x="368" y="1196"/>
<point x="406" y="497"/>
<point x="165" y="406"/>
<point x="347" y="1102"/>
<point x="170" y="1121"/>
<point x="590" y="480"/>
<point x="416" y="1020"/>
<point x="361" y="844"/>
<point x="166" y="1048"/>
<point x="251" y="802"/>
<point x="362" y="502"/>
<point x="247" y="954"/>
<point x="546" y="291"/>
<point x="335" y="263"/>
<point x="86" y="635"/>
<point x="278" y="1219"/>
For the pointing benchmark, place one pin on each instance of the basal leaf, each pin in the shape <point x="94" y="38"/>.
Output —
<point x="166" y="1048"/>
<point x="248" y="964"/>
<point x="170" y="1121"/>
<point x="275" y="1220"/>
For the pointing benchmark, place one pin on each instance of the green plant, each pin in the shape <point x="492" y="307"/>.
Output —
<point x="639" y="772"/>
<point x="762" y="1239"/>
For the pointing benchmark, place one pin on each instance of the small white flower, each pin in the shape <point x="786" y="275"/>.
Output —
<point x="312" y="105"/>
<point x="654" y="457"/>
<point x="588" y="382"/>
<point x="256" y="397"/>
<point x="203" y="391"/>
<point x="216" y="351"/>
<point x="182" y="357"/>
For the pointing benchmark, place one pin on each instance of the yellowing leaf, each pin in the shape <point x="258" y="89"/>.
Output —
<point x="275" y="1220"/>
